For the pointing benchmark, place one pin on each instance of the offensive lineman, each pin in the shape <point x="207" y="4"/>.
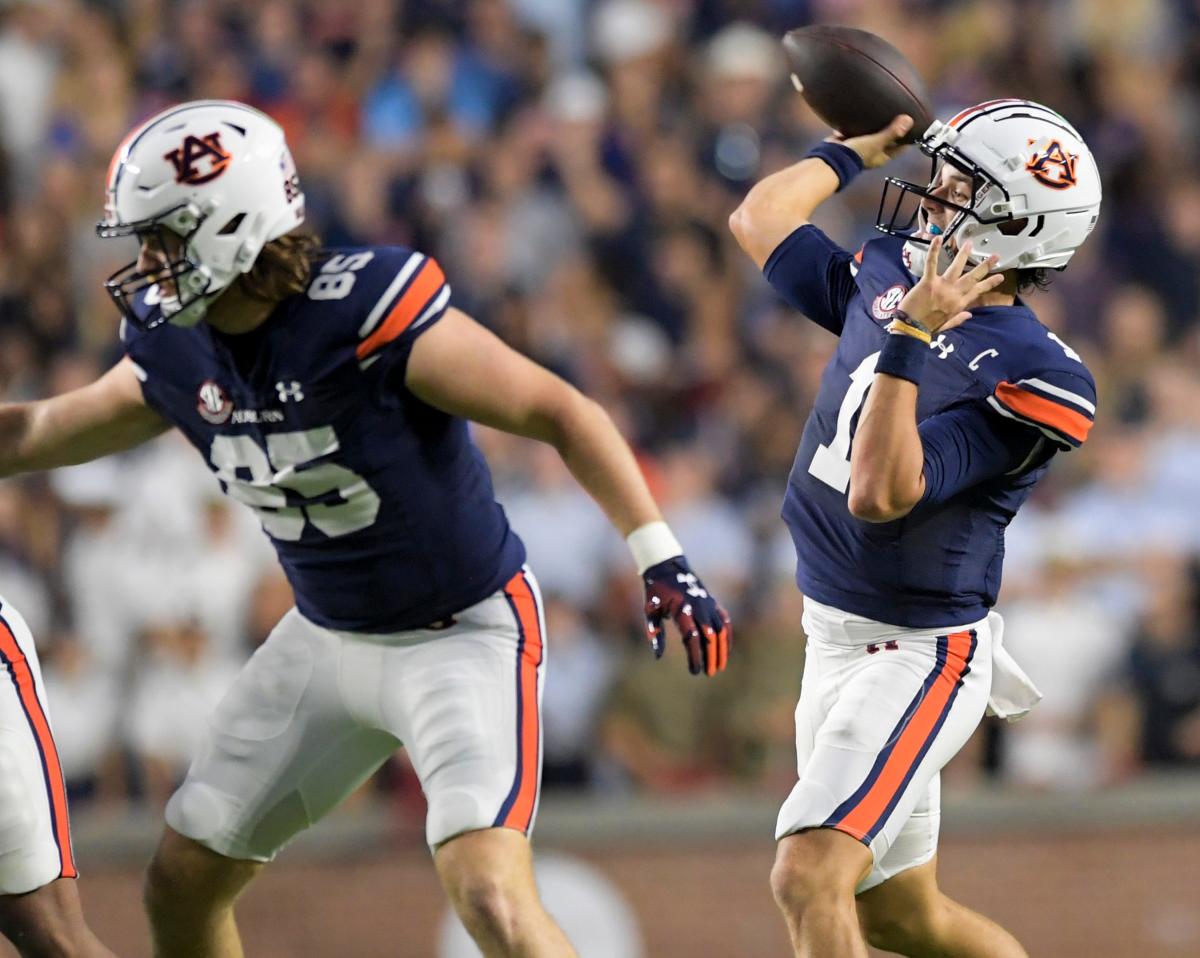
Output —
<point x="942" y="406"/>
<point x="330" y="392"/>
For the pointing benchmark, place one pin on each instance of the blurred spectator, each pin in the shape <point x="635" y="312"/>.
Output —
<point x="576" y="690"/>
<point x="178" y="683"/>
<point x="1072" y="649"/>
<point x="85" y="701"/>
<point x="1153" y="719"/>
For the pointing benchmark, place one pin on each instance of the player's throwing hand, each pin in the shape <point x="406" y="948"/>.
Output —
<point x="674" y="590"/>
<point x="879" y="148"/>
<point x="939" y="302"/>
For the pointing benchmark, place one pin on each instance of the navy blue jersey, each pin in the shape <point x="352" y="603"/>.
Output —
<point x="999" y="396"/>
<point x="380" y="507"/>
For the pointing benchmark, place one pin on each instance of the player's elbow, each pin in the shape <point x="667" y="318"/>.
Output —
<point x="741" y="223"/>
<point x="757" y="227"/>
<point x="568" y="417"/>
<point x="877" y="505"/>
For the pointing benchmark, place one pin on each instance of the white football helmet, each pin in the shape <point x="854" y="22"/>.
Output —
<point x="1035" y="188"/>
<point x="219" y="176"/>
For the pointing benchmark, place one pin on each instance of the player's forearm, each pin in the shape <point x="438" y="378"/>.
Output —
<point x="14" y="428"/>
<point x="779" y="204"/>
<point x="602" y="463"/>
<point x="887" y="460"/>
<point x="68" y="430"/>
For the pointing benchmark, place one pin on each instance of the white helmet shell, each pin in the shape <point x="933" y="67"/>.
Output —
<point x="218" y="174"/>
<point x="1037" y="190"/>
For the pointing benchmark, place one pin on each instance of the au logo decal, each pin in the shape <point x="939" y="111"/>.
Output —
<point x="1053" y="167"/>
<point x="201" y="159"/>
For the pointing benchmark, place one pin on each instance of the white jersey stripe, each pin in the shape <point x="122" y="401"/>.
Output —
<point x="1060" y="393"/>
<point x="434" y="308"/>
<point x="380" y="309"/>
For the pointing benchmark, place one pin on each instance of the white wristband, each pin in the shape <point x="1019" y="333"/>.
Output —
<point x="653" y="543"/>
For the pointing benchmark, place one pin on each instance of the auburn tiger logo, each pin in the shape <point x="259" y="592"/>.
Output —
<point x="1053" y="167"/>
<point x="201" y="159"/>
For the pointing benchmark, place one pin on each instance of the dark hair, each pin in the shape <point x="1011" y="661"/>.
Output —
<point x="283" y="267"/>
<point x="1037" y="277"/>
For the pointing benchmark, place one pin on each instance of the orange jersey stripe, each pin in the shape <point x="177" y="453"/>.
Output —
<point x="860" y="819"/>
<point x="520" y="815"/>
<point x="421" y="290"/>
<point x="27" y="691"/>
<point x="1046" y="411"/>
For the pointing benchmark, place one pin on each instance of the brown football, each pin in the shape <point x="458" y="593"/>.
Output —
<point x="855" y="81"/>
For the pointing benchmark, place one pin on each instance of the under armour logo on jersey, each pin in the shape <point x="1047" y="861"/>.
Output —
<point x="691" y="585"/>
<point x="201" y="159"/>
<point x="289" y="391"/>
<point x="942" y="346"/>
<point x="1053" y="167"/>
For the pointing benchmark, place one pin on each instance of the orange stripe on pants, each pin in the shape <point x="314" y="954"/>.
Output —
<point x="524" y="798"/>
<point x="860" y="819"/>
<point x="27" y="692"/>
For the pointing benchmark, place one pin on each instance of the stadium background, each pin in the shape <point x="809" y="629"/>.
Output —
<point x="572" y="165"/>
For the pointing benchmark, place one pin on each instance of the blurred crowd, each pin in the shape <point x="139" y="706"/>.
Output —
<point x="572" y="164"/>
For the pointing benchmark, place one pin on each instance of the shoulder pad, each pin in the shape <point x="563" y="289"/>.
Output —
<point x="401" y="291"/>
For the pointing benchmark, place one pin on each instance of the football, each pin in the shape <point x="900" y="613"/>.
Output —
<point x="855" y="81"/>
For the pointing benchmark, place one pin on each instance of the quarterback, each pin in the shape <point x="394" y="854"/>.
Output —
<point x="329" y="391"/>
<point x="942" y="406"/>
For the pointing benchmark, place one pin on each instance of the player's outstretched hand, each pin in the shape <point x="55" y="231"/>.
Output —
<point x="877" y="149"/>
<point x="939" y="302"/>
<point x="674" y="591"/>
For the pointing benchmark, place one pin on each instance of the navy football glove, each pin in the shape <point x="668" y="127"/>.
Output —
<point x="673" y="590"/>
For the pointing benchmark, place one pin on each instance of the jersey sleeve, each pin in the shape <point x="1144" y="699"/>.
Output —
<point x="967" y="445"/>
<point x="1058" y="403"/>
<point x="415" y="298"/>
<point x="813" y="274"/>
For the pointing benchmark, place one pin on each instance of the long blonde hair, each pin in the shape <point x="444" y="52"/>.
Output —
<point x="283" y="267"/>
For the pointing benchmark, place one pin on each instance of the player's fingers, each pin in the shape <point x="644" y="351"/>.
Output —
<point x="901" y="125"/>
<point x="931" y="260"/>
<point x="980" y="271"/>
<point x="692" y="641"/>
<point x="957" y="320"/>
<point x="726" y="634"/>
<point x="654" y="632"/>
<point x="712" y="656"/>
<point x="985" y="286"/>
<point x="954" y="270"/>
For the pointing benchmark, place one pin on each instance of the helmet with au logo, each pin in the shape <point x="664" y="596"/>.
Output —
<point x="207" y="183"/>
<point x="1035" y="189"/>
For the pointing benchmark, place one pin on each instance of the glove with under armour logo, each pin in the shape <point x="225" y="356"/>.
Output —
<point x="673" y="589"/>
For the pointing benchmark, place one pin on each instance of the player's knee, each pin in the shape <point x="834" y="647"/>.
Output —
<point x="808" y="868"/>
<point x="184" y="876"/>
<point x="486" y="905"/>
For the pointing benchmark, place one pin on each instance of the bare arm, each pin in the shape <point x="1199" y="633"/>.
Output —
<point x="103" y="417"/>
<point x="461" y="368"/>
<point x="783" y="202"/>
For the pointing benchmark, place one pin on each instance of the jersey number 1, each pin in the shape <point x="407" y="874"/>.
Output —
<point x="831" y="464"/>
